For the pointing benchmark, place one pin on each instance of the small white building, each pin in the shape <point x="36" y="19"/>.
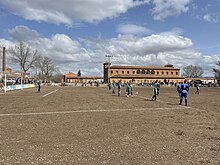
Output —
<point x="205" y="80"/>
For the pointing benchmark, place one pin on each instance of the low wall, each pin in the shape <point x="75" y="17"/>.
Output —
<point x="23" y="86"/>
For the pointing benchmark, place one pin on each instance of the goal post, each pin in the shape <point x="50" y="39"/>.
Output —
<point x="11" y="83"/>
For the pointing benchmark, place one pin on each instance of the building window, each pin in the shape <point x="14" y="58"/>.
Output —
<point x="157" y="72"/>
<point x="167" y="73"/>
<point x="172" y="73"/>
<point x="152" y="72"/>
<point x="138" y="71"/>
<point x="111" y="71"/>
<point x="127" y="72"/>
<point x="122" y="72"/>
<point x="162" y="72"/>
<point x="176" y="73"/>
<point x="143" y="71"/>
<point x="133" y="72"/>
<point x="116" y="71"/>
<point x="148" y="72"/>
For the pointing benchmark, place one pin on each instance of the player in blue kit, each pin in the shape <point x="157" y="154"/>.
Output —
<point x="119" y="88"/>
<point x="184" y="92"/>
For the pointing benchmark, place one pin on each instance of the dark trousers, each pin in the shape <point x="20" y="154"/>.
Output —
<point x="185" y="95"/>
<point x="38" y="88"/>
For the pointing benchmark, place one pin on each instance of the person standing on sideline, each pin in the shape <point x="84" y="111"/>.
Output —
<point x="197" y="88"/>
<point x="119" y="88"/>
<point x="184" y="93"/>
<point x="130" y="89"/>
<point x="156" y="89"/>
<point x="113" y="87"/>
<point x="38" y="85"/>
<point x="127" y="89"/>
<point x="179" y="89"/>
<point x="109" y="86"/>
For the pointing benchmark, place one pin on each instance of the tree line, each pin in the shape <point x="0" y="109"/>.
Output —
<point x="28" y="58"/>
<point x="193" y="71"/>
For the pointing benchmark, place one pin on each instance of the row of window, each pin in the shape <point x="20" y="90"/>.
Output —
<point x="146" y="81"/>
<point x="144" y="72"/>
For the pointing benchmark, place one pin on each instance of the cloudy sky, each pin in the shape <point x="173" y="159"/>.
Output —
<point x="78" y="34"/>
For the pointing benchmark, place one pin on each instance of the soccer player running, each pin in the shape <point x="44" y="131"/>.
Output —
<point x="184" y="92"/>
<point x="197" y="88"/>
<point x="129" y="89"/>
<point x="156" y="89"/>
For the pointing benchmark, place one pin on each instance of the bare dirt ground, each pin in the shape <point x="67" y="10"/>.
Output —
<point x="90" y="125"/>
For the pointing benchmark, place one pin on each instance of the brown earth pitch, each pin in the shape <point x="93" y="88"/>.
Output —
<point x="90" y="125"/>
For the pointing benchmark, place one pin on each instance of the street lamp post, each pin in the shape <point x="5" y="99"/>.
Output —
<point x="109" y="56"/>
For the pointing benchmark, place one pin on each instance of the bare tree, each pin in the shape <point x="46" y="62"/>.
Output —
<point x="46" y="66"/>
<point x="57" y="78"/>
<point x="24" y="56"/>
<point x="50" y="67"/>
<point x="192" y="71"/>
<point x="217" y="72"/>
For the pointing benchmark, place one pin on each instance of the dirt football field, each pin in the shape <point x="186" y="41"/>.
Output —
<point x="93" y="126"/>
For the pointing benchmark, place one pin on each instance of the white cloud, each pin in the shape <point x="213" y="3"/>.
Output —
<point x="211" y="17"/>
<point x="64" y="51"/>
<point x="154" y="43"/>
<point x="167" y="8"/>
<point x="5" y="43"/>
<point x="155" y="49"/>
<point x="158" y="49"/>
<point x="69" y="11"/>
<point x="23" y="33"/>
<point x="132" y="29"/>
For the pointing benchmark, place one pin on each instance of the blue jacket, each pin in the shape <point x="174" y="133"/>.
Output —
<point x="184" y="88"/>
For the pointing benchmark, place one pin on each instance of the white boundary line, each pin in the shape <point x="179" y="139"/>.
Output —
<point x="50" y="93"/>
<point x="88" y="111"/>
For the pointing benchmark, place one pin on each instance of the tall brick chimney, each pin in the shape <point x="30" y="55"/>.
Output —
<point x="4" y="61"/>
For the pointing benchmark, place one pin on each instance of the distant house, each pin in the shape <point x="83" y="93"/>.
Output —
<point x="166" y="74"/>
<point x="73" y="78"/>
<point x="203" y="80"/>
<point x="24" y="75"/>
<point x="7" y="71"/>
<point x="141" y="74"/>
